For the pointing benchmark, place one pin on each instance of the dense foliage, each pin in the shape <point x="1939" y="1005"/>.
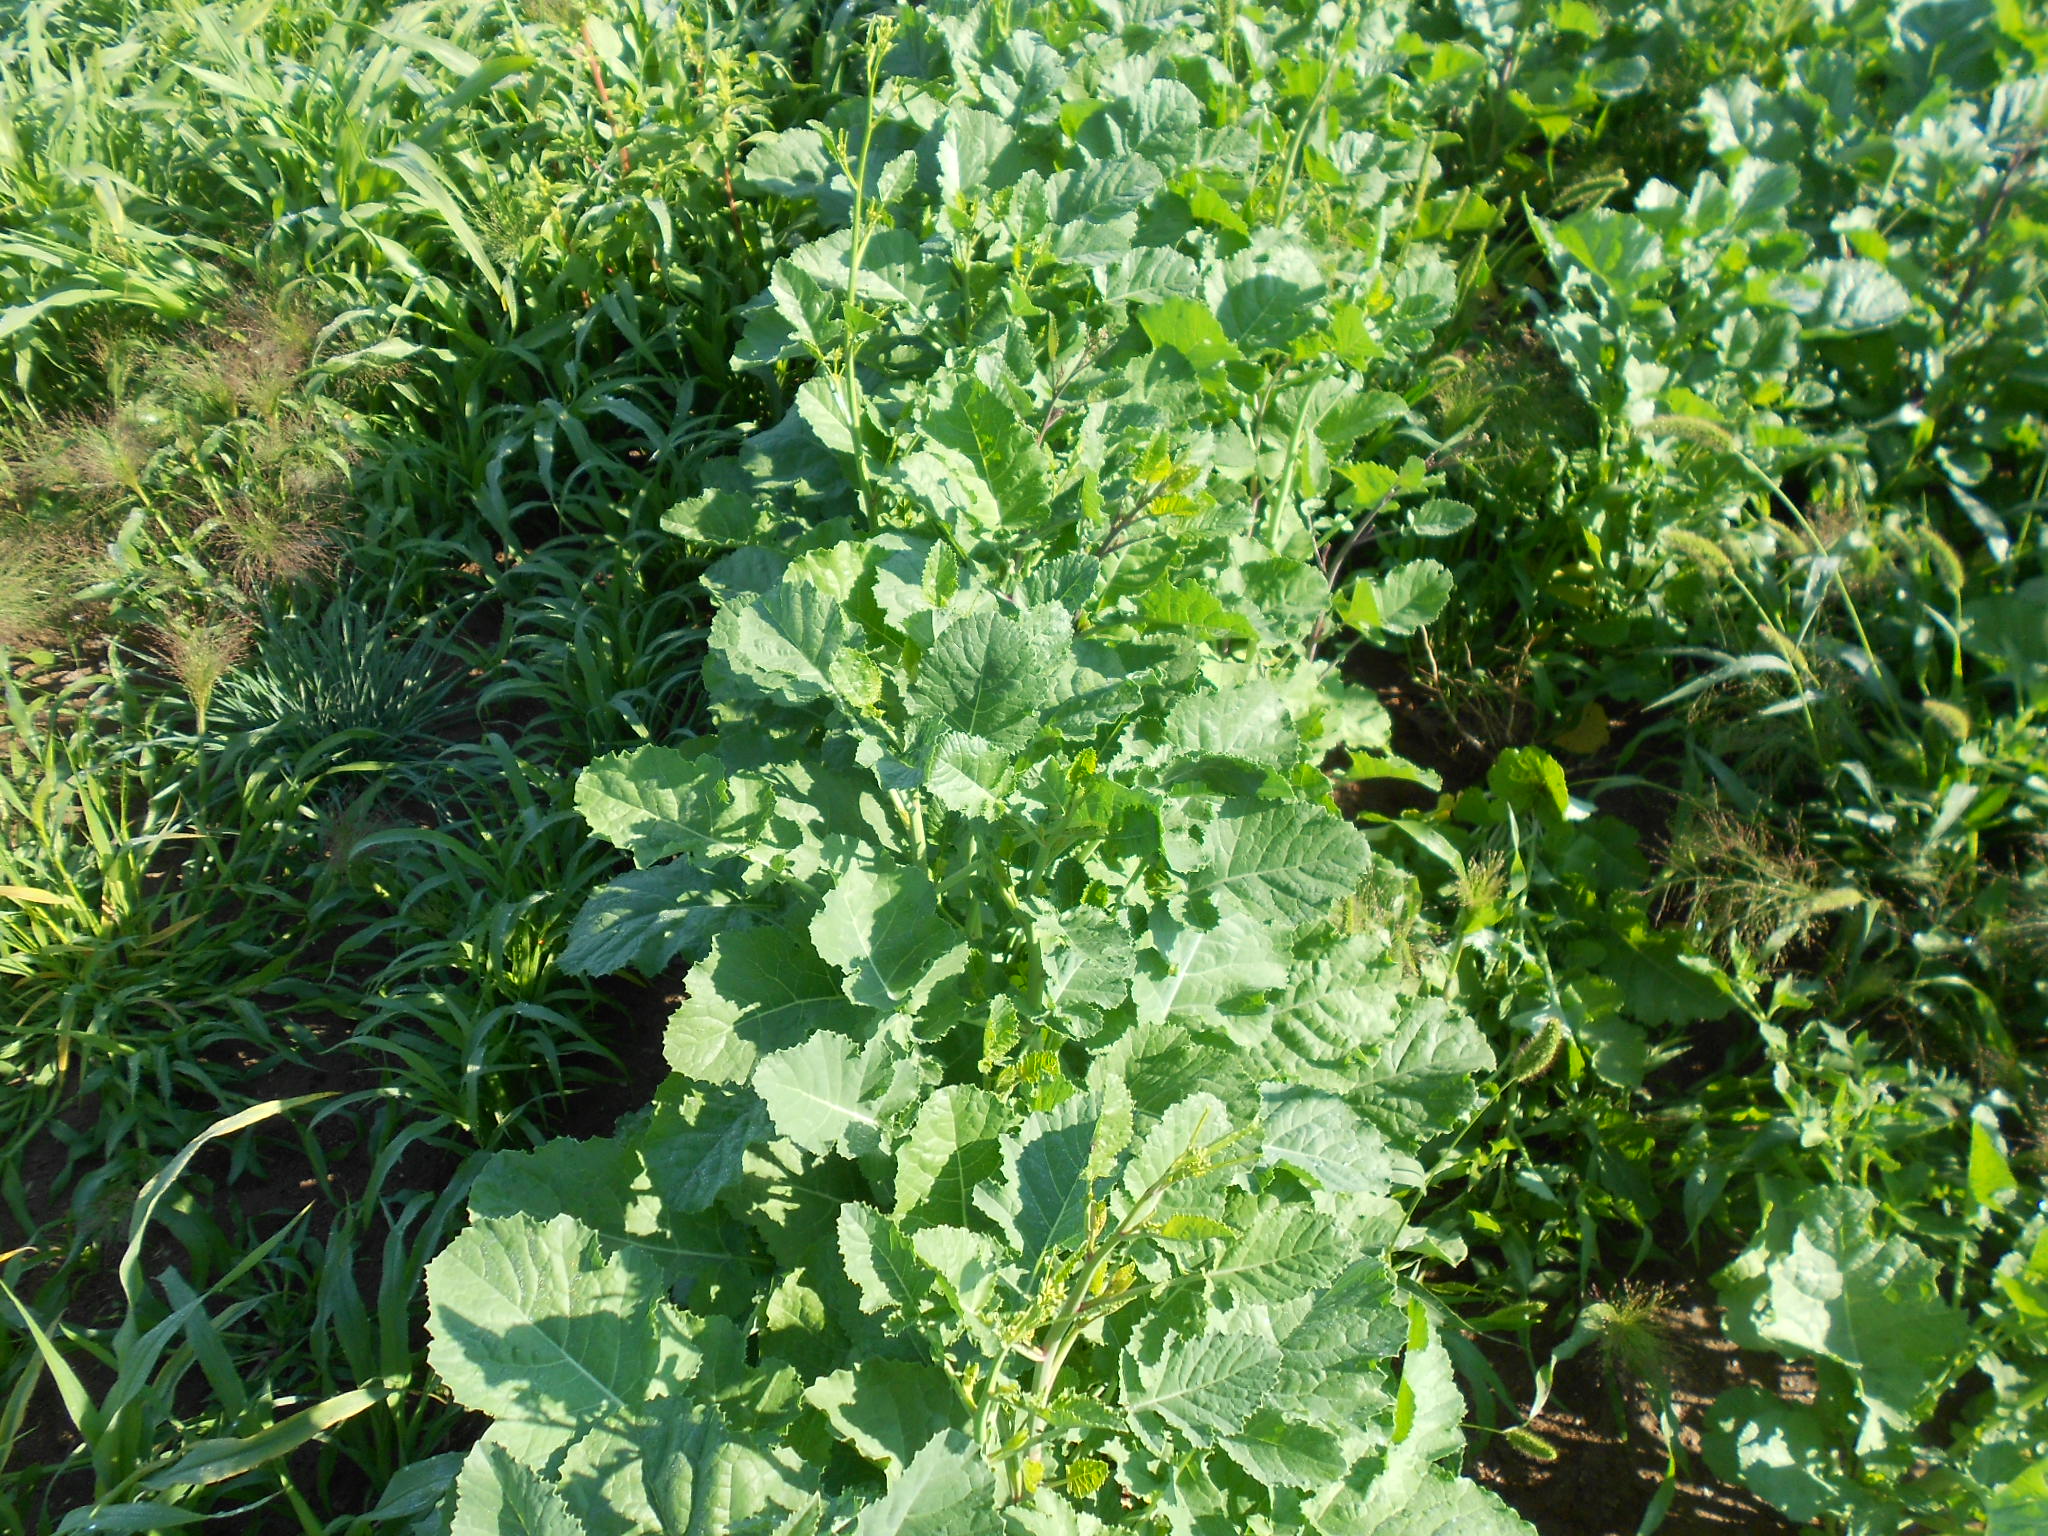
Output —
<point x="1059" y="1105"/>
<point x="1303" y="712"/>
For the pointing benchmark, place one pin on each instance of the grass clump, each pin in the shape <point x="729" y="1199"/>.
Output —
<point x="339" y="669"/>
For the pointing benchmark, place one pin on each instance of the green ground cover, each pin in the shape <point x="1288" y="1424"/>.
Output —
<point x="1005" y="770"/>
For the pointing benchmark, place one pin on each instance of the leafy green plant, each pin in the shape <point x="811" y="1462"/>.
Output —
<point x="1902" y="1264"/>
<point x="351" y="324"/>
<point x="469" y="1004"/>
<point x="1040" y="1099"/>
<point x="105" y="995"/>
<point x="602" y="651"/>
<point x="339" y="675"/>
<point x="1074" y="1123"/>
<point x="141" y="1473"/>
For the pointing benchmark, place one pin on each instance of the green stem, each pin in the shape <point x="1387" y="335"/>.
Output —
<point x="1835" y="575"/>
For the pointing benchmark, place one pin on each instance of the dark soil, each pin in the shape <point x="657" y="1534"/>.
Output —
<point x="1424" y="733"/>
<point x="1609" y="1464"/>
<point x="321" y="1155"/>
<point x="634" y="1033"/>
<point x="1458" y="739"/>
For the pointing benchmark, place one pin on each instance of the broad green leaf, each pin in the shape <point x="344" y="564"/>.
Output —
<point x="643" y="920"/>
<point x="793" y="1200"/>
<point x="952" y="1147"/>
<point x="888" y="1410"/>
<point x="795" y="163"/>
<point x="1852" y="296"/>
<point x="1085" y="956"/>
<point x="1266" y="297"/>
<point x="1206" y="1386"/>
<point x="1196" y="1121"/>
<point x="966" y="1263"/>
<point x="1047" y="1513"/>
<point x="1091" y="210"/>
<point x="1663" y="981"/>
<point x="967" y="774"/>
<point x="2019" y="1507"/>
<point x="1341" y="1349"/>
<point x="1217" y="976"/>
<point x="987" y="676"/>
<point x="1191" y="329"/>
<point x="762" y="989"/>
<point x="1433" y="1503"/>
<point x="1146" y="276"/>
<point x="822" y="1090"/>
<point x="416" y="1488"/>
<point x="947" y="484"/>
<point x="700" y="1479"/>
<point x="1829" y="1286"/>
<point x="1287" y="864"/>
<point x="1343" y="1001"/>
<point x="1159" y="119"/>
<point x="1285" y="1252"/>
<point x="879" y="1260"/>
<point x="1106" y="190"/>
<point x="1210" y="206"/>
<point x="1617" y="77"/>
<point x="1283" y="1452"/>
<point x="824" y="410"/>
<point x="1287" y="598"/>
<point x="1068" y="580"/>
<point x="601" y="1480"/>
<point x="1616" y="1049"/>
<point x="607" y="1186"/>
<point x="793" y="1328"/>
<point x="1429" y="1413"/>
<point x="1190" y="608"/>
<point x="790" y="642"/>
<point x="1357" y="413"/>
<point x="788" y="459"/>
<point x="694" y="1143"/>
<point x="1991" y="1180"/>
<point x="1161" y="1066"/>
<point x="496" y="1496"/>
<point x="894" y="271"/>
<point x="1027" y="78"/>
<point x="881" y="926"/>
<point x="1399" y="601"/>
<point x="948" y="1489"/>
<point x="984" y="429"/>
<point x="1318" y="1134"/>
<point x="1761" y="192"/>
<point x="1439" y="517"/>
<point x="973" y="154"/>
<point x="656" y="802"/>
<point x="1041" y="1199"/>
<point x="1266" y="310"/>
<point x="1618" y="251"/>
<point x="812" y="313"/>
<point x="529" y="1322"/>
<point x="2023" y="1275"/>
<point x="1528" y="778"/>
<point x="1779" y="1451"/>
<point x="1249" y="722"/>
<point x="1421" y="1077"/>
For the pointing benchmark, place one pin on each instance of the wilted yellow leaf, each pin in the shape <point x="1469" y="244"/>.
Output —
<point x="29" y="894"/>
<point x="1587" y="734"/>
